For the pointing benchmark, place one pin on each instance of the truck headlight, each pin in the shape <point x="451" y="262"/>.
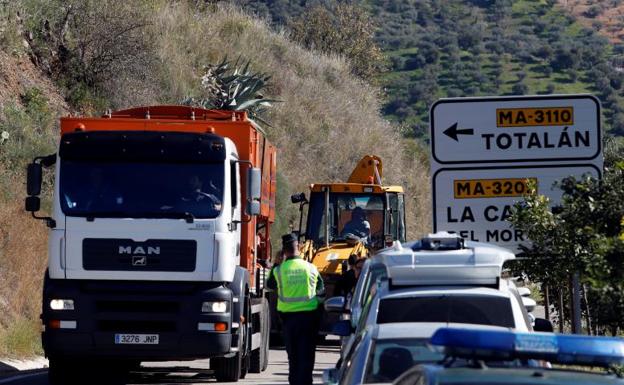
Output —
<point x="214" y="307"/>
<point x="62" y="304"/>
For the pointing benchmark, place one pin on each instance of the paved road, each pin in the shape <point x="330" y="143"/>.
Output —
<point x="195" y="373"/>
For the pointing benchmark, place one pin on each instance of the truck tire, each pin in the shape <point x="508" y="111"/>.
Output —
<point x="247" y="332"/>
<point x="260" y="357"/>
<point x="231" y="369"/>
<point x="227" y="369"/>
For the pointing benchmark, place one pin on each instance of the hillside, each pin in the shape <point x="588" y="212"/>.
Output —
<point x="482" y="47"/>
<point x="326" y="120"/>
<point x="605" y="17"/>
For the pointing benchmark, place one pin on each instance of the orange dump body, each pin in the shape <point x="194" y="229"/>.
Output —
<point x="250" y="142"/>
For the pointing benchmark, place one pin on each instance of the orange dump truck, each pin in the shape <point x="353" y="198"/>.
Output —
<point x="159" y="218"/>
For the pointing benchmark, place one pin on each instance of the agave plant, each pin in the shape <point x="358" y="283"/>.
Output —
<point x="227" y="86"/>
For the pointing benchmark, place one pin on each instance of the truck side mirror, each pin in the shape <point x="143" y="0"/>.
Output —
<point x="298" y="198"/>
<point x="254" y="182"/>
<point x="34" y="179"/>
<point x="33" y="204"/>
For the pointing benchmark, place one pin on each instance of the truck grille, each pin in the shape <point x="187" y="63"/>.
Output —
<point x="128" y="255"/>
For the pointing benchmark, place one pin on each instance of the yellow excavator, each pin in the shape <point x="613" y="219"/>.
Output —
<point x="355" y="218"/>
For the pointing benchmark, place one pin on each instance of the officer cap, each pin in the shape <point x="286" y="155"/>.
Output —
<point x="288" y="238"/>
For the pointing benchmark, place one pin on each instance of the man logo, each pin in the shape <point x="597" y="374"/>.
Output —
<point x="139" y="260"/>
<point x="139" y="250"/>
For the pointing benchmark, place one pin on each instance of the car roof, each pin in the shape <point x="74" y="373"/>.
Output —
<point x="424" y="291"/>
<point x="420" y="329"/>
<point x="467" y="263"/>
<point x="524" y="375"/>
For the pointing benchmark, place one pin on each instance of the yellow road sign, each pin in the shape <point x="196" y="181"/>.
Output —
<point x="529" y="117"/>
<point x="491" y="188"/>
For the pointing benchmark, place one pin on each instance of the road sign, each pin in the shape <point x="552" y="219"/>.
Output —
<point x="515" y="129"/>
<point x="486" y="151"/>
<point x="475" y="202"/>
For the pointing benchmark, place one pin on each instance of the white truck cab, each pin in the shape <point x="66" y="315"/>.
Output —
<point x="158" y="220"/>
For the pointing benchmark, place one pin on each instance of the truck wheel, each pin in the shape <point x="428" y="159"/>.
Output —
<point x="231" y="369"/>
<point x="247" y="332"/>
<point x="260" y="357"/>
<point x="245" y="367"/>
<point x="227" y="369"/>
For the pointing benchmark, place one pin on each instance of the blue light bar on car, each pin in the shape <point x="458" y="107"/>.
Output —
<point x="506" y="345"/>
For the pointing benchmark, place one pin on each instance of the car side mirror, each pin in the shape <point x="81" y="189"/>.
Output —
<point x="33" y="204"/>
<point x="543" y="325"/>
<point x="254" y="182"/>
<point x="335" y="305"/>
<point x="34" y="179"/>
<point x="342" y="328"/>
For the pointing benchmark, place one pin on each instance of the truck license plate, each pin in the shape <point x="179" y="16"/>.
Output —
<point x="136" y="339"/>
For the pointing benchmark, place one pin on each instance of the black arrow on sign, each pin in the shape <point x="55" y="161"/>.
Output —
<point x="452" y="132"/>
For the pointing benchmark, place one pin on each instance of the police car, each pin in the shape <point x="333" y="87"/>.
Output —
<point x="473" y="357"/>
<point x="381" y="353"/>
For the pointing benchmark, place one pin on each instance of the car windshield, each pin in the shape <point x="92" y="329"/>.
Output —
<point x="467" y="309"/>
<point x="143" y="190"/>
<point x="388" y="359"/>
<point x="359" y="215"/>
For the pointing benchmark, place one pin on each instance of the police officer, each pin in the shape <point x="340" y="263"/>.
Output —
<point x="298" y="286"/>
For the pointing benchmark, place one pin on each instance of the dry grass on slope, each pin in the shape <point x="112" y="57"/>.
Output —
<point x="328" y="118"/>
<point x="23" y="257"/>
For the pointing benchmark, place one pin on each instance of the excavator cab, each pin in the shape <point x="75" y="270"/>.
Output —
<point x="362" y="210"/>
<point x="372" y="218"/>
<point x="348" y="220"/>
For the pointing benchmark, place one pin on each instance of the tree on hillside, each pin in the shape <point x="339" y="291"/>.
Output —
<point x="344" y="29"/>
<point x="85" y="43"/>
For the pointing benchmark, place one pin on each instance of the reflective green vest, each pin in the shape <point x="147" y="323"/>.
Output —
<point x="296" y="285"/>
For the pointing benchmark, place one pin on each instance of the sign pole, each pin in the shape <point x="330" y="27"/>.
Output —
<point x="576" y="304"/>
<point x="546" y="302"/>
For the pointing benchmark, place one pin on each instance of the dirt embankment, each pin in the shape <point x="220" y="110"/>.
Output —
<point x="18" y="74"/>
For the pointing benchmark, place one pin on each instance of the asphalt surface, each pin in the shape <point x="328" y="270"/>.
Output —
<point x="190" y="373"/>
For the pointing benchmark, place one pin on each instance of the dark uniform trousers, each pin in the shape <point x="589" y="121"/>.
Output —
<point x="300" y="335"/>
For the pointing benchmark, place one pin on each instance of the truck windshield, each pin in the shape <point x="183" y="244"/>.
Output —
<point x="360" y="215"/>
<point x="141" y="190"/>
